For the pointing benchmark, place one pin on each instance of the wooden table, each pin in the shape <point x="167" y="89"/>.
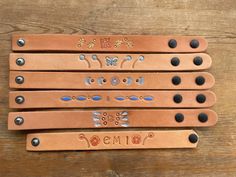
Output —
<point x="215" y="20"/>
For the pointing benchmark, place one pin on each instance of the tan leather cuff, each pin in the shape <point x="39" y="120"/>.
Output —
<point x="111" y="140"/>
<point x="107" y="43"/>
<point x="71" y="80"/>
<point x="111" y="118"/>
<point x="109" y="62"/>
<point x="83" y="99"/>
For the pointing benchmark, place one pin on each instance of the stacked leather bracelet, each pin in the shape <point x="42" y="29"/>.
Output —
<point x="110" y="81"/>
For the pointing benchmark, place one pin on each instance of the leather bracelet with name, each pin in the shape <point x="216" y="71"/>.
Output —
<point x="84" y="99"/>
<point x="111" y="140"/>
<point x="102" y="80"/>
<point x="107" y="43"/>
<point x="109" y="62"/>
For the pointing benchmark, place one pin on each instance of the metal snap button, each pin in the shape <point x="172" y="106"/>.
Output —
<point x="19" y="79"/>
<point x="19" y="99"/>
<point x="20" y="42"/>
<point x="20" y="61"/>
<point x="19" y="120"/>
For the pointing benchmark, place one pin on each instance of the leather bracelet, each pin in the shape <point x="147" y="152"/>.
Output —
<point x="71" y="80"/>
<point x="109" y="62"/>
<point x="83" y="99"/>
<point x="111" y="140"/>
<point x="107" y="43"/>
<point x="111" y="118"/>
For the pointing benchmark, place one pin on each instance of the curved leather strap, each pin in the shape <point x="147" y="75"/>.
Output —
<point x="72" y="80"/>
<point x="84" y="99"/>
<point x="111" y="140"/>
<point x="109" y="62"/>
<point x="111" y="119"/>
<point x="108" y="43"/>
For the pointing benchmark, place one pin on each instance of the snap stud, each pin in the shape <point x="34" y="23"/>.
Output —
<point x="178" y="98"/>
<point x="193" y="138"/>
<point x="194" y="43"/>
<point x="201" y="98"/>
<point x="172" y="43"/>
<point x="200" y="80"/>
<point x="176" y="80"/>
<point x="175" y="61"/>
<point x="20" y="61"/>
<point x="19" y="79"/>
<point x="197" y="60"/>
<point x="19" y="120"/>
<point x="202" y="117"/>
<point x="35" y="142"/>
<point x="179" y="117"/>
<point x="20" y="42"/>
<point x="19" y="99"/>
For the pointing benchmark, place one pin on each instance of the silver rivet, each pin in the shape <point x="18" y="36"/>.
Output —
<point x="35" y="142"/>
<point x="20" y="61"/>
<point x="20" y="42"/>
<point x="19" y="120"/>
<point x="81" y="57"/>
<point x="94" y="57"/>
<point x="19" y="79"/>
<point x="141" y="58"/>
<point x="20" y="99"/>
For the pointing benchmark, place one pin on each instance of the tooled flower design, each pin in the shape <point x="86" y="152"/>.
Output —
<point x="125" y="42"/>
<point x="81" y="42"/>
<point x="136" y="139"/>
<point x="94" y="140"/>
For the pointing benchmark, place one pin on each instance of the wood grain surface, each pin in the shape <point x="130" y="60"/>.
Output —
<point x="215" y="20"/>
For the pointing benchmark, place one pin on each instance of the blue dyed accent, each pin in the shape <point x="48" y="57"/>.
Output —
<point x="81" y="98"/>
<point x="66" y="98"/>
<point x="133" y="98"/>
<point x="148" y="98"/>
<point x="96" y="98"/>
<point x="120" y="98"/>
